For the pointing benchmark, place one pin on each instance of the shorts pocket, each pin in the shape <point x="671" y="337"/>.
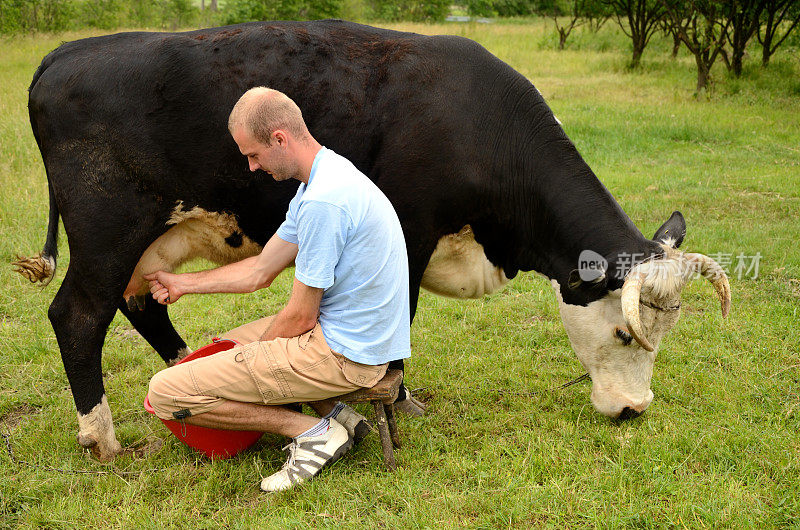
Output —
<point x="363" y="375"/>
<point x="267" y="370"/>
<point x="305" y="338"/>
<point x="314" y="334"/>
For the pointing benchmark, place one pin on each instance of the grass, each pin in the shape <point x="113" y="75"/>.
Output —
<point x="718" y="446"/>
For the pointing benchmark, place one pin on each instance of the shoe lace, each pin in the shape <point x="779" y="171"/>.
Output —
<point x="291" y="448"/>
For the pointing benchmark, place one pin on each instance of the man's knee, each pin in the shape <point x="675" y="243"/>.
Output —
<point x="161" y="395"/>
<point x="173" y="394"/>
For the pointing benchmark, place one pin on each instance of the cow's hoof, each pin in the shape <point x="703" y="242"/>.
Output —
<point x="410" y="405"/>
<point x="87" y="441"/>
<point x="182" y="354"/>
<point x="96" y="432"/>
<point x="103" y="452"/>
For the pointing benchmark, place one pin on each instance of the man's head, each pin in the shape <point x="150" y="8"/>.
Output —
<point x="270" y="131"/>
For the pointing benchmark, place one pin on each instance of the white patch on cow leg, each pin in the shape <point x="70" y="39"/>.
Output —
<point x="459" y="268"/>
<point x="182" y="353"/>
<point x="96" y="432"/>
<point x="196" y="233"/>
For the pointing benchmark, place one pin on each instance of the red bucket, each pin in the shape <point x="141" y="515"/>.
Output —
<point x="214" y="443"/>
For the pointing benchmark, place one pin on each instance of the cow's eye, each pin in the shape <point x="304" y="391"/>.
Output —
<point x="623" y="335"/>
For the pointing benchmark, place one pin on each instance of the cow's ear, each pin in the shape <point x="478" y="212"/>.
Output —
<point x="578" y="280"/>
<point x="672" y="232"/>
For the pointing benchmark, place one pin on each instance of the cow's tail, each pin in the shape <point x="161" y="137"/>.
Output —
<point x="41" y="267"/>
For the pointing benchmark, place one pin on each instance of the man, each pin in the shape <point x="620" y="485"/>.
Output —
<point x="347" y="317"/>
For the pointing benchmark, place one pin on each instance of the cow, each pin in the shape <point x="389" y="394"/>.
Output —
<point x="143" y="173"/>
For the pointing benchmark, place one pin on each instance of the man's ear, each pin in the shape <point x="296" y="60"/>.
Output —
<point x="279" y="136"/>
<point x="672" y="232"/>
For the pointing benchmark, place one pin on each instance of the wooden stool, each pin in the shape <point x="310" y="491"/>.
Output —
<point x="382" y="397"/>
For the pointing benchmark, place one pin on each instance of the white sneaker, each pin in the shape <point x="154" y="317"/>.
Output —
<point x="308" y="455"/>
<point x="357" y="425"/>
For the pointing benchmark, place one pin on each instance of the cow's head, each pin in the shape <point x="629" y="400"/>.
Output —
<point x="616" y="337"/>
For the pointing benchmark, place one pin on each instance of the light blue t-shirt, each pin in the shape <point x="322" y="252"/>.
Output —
<point x="351" y="245"/>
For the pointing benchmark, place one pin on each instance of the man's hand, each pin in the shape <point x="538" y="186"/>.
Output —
<point x="164" y="287"/>
<point x="245" y="276"/>
<point x="299" y="315"/>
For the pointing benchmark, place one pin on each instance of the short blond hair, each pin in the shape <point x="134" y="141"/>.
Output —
<point x="261" y="111"/>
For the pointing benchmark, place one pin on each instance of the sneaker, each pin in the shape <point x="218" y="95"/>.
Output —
<point x="356" y="424"/>
<point x="308" y="455"/>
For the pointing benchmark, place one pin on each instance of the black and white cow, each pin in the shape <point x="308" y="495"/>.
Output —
<point x="143" y="172"/>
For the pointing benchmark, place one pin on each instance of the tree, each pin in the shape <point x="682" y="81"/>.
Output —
<point x="745" y="21"/>
<point x="667" y="30"/>
<point x="574" y="11"/>
<point x="775" y="13"/>
<point x="598" y="12"/>
<point x="702" y="26"/>
<point x="641" y="18"/>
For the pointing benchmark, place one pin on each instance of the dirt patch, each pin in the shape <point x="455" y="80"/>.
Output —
<point x="766" y="194"/>
<point x="8" y="320"/>
<point x="150" y="446"/>
<point x="422" y="394"/>
<point x="14" y="417"/>
<point x="693" y="310"/>
<point x="127" y="333"/>
<point x="536" y="319"/>
<point x="795" y="284"/>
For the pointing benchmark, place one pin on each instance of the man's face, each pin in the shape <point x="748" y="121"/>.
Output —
<point x="272" y="159"/>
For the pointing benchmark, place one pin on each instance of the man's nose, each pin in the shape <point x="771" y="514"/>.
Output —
<point x="253" y="165"/>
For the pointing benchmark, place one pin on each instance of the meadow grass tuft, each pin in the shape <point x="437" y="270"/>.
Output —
<point x="718" y="446"/>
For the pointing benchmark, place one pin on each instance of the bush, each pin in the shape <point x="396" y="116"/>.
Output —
<point x="102" y="14"/>
<point x="170" y="14"/>
<point x="18" y="16"/>
<point x="248" y="10"/>
<point x="500" y="8"/>
<point x="36" y="15"/>
<point x="414" y="10"/>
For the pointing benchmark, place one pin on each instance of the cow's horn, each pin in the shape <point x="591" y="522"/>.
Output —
<point x="631" y="291"/>
<point x="711" y="271"/>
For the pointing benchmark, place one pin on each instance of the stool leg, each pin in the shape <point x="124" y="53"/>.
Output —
<point x="393" y="432"/>
<point x="383" y="430"/>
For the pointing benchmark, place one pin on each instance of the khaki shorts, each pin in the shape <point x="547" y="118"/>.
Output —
<point x="275" y="372"/>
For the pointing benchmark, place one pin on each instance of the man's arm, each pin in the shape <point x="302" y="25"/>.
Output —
<point x="299" y="315"/>
<point x="244" y="276"/>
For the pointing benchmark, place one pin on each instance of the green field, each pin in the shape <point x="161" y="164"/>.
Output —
<point x="719" y="446"/>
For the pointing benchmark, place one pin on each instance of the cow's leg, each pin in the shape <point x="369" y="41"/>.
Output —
<point x="405" y="402"/>
<point x="80" y="315"/>
<point x="106" y="237"/>
<point x="153" y="323"/>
